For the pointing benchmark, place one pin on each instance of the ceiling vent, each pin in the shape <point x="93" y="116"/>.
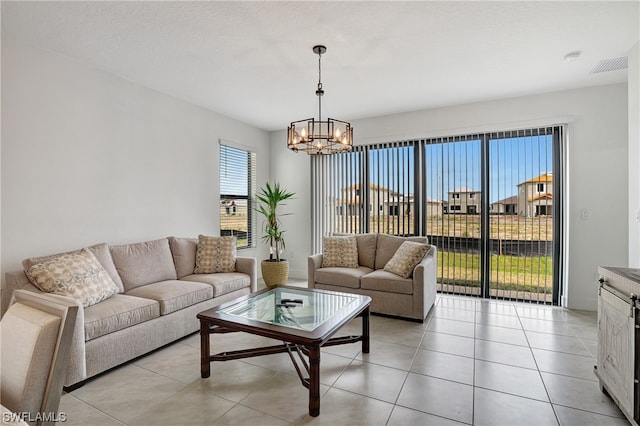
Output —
<point x="614" y="64"/>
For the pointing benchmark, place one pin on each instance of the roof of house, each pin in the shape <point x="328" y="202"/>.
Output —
<point x="545" y="177"/>
<point x="509" y="200"/>
<point x="541" y="197"/>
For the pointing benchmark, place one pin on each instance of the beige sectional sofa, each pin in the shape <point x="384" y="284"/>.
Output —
<point x="157" y="301"/>
<point x="391" y="294"/>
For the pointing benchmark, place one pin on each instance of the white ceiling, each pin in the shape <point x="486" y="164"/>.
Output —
<point x="252" y="61"/>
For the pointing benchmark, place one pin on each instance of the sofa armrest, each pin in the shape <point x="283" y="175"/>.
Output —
<point x="249" y="266"/>
<point x="77" y="367"/>
<point x="15" y="281"/>
<point x="77" y="370"/>
<point x="425" y="282"/>
<point x="313" y="262"/>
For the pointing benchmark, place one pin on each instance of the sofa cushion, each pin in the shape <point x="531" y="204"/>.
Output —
<point x="173" y="295"/>
<point x="144" y="263"/>
<point x="367" y="249"/>
<point x="408" y="255"/>
<point x="116" y="313"/>
<point x="215" y="254"/>
<point x="387" y="245"/>
<point x="183" y="251"/>
<point x="381" y="280"/>
<point x="343" y="277"/>
<point x="339" y="252"/>
<point x="222" y="282"/>
<point x="77" y="275"/>
<point x="100" y="251"/>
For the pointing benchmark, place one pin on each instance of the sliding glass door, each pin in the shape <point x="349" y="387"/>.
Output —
<point x="490" y="202"/>
<point x="521" y="222"/>
<point x="501" y="195"/>
<point x="453" y="211"/>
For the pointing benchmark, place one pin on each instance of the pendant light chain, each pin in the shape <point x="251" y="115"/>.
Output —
<point x="320" y="91"/>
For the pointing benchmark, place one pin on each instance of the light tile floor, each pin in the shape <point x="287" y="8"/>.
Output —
<point x="472" y="362"/>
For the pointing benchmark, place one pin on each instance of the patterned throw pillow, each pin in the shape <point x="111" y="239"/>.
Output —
<point x="339" y="252"/>
<point x="78" y="275"/>
<point x="215" y="254"/>
<point x="408" y="255"/>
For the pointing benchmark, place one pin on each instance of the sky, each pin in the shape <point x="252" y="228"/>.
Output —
<point x="448" y="166"/>
<point x="457" y="164"/>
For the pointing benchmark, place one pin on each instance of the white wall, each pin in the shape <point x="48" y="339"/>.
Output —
<point x="293" y="171"/>
<point x="598" y="147"/>
<point x="88" y="157"/>
<point x="634" y="156"/>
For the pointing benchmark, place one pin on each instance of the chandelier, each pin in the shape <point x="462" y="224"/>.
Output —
<point x="317" y="136"/>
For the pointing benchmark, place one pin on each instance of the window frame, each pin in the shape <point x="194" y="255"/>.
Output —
<point x="232" y="161"/>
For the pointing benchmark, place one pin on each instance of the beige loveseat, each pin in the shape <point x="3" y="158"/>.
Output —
<point x="157" y="301"/>
<point x="391" y="294"/>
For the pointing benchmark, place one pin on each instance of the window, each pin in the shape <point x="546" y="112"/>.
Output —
<point x="455" y="195"/>
<point x="472" y="195"/>
<point x="237" y="194"/>
<point x="541" y="187"/>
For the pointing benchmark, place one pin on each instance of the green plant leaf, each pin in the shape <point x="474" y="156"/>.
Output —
<point x="270" y="198"/>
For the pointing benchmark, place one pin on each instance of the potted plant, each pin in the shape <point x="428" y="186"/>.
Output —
<point x="275" y="270"/>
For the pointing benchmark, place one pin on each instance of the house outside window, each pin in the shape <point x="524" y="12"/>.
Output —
<point x="237" y="194"/>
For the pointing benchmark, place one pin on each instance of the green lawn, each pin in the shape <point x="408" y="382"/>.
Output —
<point x="532" y="274"/>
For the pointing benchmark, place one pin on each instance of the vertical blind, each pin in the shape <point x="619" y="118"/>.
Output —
<point x="237" y="194"/>
<point x="370" y="189"/>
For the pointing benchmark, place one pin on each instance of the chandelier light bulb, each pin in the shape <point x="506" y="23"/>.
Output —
<point x="303" y="133"/>
<point x="337" y="134"/>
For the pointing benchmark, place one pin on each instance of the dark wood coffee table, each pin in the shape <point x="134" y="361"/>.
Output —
<point x="303" y="319"/>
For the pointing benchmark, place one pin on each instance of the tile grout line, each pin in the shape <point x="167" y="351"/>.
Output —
<point x="555" y="413"/>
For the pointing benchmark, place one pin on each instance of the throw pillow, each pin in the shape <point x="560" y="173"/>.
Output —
<point x="100" y="251"/>
<point x="215" y="254"/>
<point x="339" y="252"/>
<point x="78" y="275"/>
<point x="408" y="255"/>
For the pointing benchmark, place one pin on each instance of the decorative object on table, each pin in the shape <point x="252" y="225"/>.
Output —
<point x="317" y="136"/>
<point x="275" y="270"/>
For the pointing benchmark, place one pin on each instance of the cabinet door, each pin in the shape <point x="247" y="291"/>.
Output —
<point x="616" y="349"/>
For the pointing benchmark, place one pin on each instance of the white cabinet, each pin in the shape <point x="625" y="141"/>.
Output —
<point x="618" y="338"/>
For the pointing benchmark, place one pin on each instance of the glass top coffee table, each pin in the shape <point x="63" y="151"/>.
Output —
<point x="303" y="319"/>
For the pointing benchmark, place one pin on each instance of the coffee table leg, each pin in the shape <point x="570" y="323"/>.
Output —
<point x="205" y="350"/>
<point x="314" y="381"/>
<point x="365" y="331"/>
